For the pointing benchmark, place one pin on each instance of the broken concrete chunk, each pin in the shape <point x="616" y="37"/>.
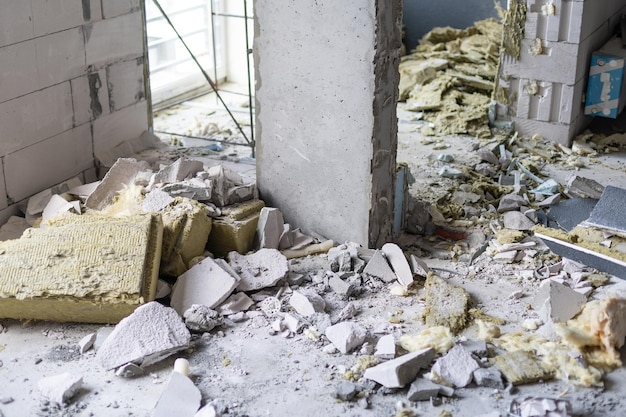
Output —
<point x="150" y="334"/>
<point x="584" y="187"/>
<point x="235" y="229"/>
<point x="422" y="390"/>
<point x="262" y="269"/>
<point x="398" y="372"/>
<point x="378" y="267"/>
<point x="205" y="283"/>
<point x="446" y="304"/>
<point x="180" y="170"/>
<point x="510" y="202"/>
<point x="557" y="302"/>
<point x="200" y="318"/>
<point x="488" y="156"/>
<point x="346" y="336"/>
<point x="129" y="370"/>
<point x="447" y="171"/>
<point x="386" y="347"/>
<point x="419" y="267"/>
<point x="270" y="228"/>
<point x="488" y="377"/>
<point x="307" y="302"/>
<point x="456" y="367"/>
<point x="180" y="397"/>
<point x="521" y="367"/>
<point x="156" y="200"/>
<point x="398" y="262"/>
<point x="60" y="388"/>
<point x="122" y="174"/>
<point x="86" y="343"/>
<point x="476" y="347"/>
<point x="235" y="303"/>
<point x="339" y="286"/>
<point x="517" y="221"/>
<point x="346" y="391"/>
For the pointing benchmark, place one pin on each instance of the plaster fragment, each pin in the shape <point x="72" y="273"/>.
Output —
<point x="398" y="372"/>
<point x="60" y="388"/>
<point x="346" y="336"/>
<point x="262" y="269"/>
<point x="398" y="262"/>
<point x="456" y="367"/>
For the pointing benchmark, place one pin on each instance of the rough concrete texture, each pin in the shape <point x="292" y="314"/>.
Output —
<point x="180" y="397"/>
<point x="200" y="318"/>
<point x="456" y="367"/>
<point x="234" y="230"/>
<point x="446" y="304"/>
<point x="60" y="388"/>
<point x="346" y="336"/>
<point x="399" y="263"/>
<point x="205" y="284"/>
<point x="398" y="372"/>
<point x="557" y="302"/>
<point x="262" y="269"/>
<point x="150" y="334"/>
<point x="307" y="302"/>
<point x="359" y="118"/>
<point x="378" y="267"/>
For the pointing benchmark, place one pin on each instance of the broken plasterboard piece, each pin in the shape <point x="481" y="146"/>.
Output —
<point x="386" y="347"/>
<point x="270" y="228"/>
<point x="206" y="283"/>
<point x="398" y="262"/>
<point x="262" y="269"/>
<point x="456" y="367"/>
<point x="607" y="214"/>
<point x="378" y="267"/>
<point x="181" y="169"/>
<point x="150" y="334"/>
<point x="60" y="388"/>
<point x="398" y="372"/>
<point x="557" y="302"/>
<point x="180" y="398"/>
<point x="88" y="268"/>
<point x="307" y="302"/>
<point x="122" y="174"/>
<point x="346" y="336"/>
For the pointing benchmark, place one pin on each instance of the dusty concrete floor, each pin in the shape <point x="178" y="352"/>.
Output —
<point x="254" y="373"/>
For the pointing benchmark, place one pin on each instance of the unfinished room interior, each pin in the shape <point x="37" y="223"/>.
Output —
<point x="304" y="208"/>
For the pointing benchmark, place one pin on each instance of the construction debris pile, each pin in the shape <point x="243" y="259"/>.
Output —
<point x="449" y="78"/>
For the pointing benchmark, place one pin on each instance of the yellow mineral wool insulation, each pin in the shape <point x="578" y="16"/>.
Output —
<point x="89" y="268"/>
<point x="487" y="331"/>
<point x="439" y="338"/>
<point x="446" y="304"/>
<point x="598" y="331"/>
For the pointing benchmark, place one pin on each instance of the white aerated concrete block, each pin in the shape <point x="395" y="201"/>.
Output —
<point x="115" y="38"/>
<point x="557" y="302"/>
<point x="112" y="8"/>
<point x="346" y="336"/>
<point x="398" y="372"/>
<point x="262" y="269"/>
<point x="52" y="16"/>
<point x="386" y="347"/>
<point x="112" y="129"/>
<point x="457" y="367"/>
<point x="205" y="284"/>
<point x="270" y="228"/>
<point x="87" y="108"/>
<point x="19" y="70"/>
<point x="60" y="388"/>
<point x="16" y="23"/>
<point x="60" y="56"/>
<point x="150" y="334"/>
<point x="125" y="82"/>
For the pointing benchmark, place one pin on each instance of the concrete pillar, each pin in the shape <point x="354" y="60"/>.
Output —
<point x="326" y="93"/>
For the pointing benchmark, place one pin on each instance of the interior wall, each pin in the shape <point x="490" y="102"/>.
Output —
<point x="420" y="16"/>
<point x="72" y="84"/>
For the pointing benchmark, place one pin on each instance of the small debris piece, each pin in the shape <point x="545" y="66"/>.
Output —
<point x="181" y="365"/>
<point x="235" y="304"/>
<point x="200" y="318"/>
<point x="181" y="169"/>
<point x="207" y="411"/>
<point x="541" y="407"/>
<point x="308" y="250"/>
<point x="517" y="221"/>
<point x="386" y="347"/>
<point x="339" y="286"/>
<point x="446" y="304"/>
<point x="557" y="302"/>
<point x="449" y="172"/>
<point x="607" y="214"/>
<point x="270" y="228"/>
<point x="422" y="389"/>
<point x="378" y="267"/>
<point x="206" y="283"/>
<point x="6" y="400"/>
<point x="130" y="370"/>
<point x="584" y="187"/>
<point x="180" y="398"/>
<point x="346" y="336"/>
<point x="521" y="367"/>
<point x="307" y="302"/>
<point x="511" y="202"/>
<point x="86" y="343"/>
<point x="13" y="228"/>
<point x="398" y="372"/>
<point x="488" y="377"/>
<point x="150" y="334"/>
<point x="346" y="391"/>
<point x="60" y="388"/>
<point x="156" y="200"/>
<point x="398" y="262"/>
<point x="456" y="367"/>
<point x="120" y="175"/>
<point x="262" y="269"/>
<point x="419" y="267"/>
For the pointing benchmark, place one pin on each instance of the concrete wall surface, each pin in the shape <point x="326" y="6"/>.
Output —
<point x="69" y="72"/>
<point x="326" y="92"/>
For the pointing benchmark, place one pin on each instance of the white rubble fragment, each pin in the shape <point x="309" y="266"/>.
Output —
<point x="346" y="336"/>
<point x="163" y="289"/>
<point x="505" y="257"/>
<point x="205" y="283"/>
<point x="398" y="262"/>
<point x="386" y="347"/>
<point x="307" y="302"/>
<point x="13" y="228"/>
<point x="339" y="286"/>
<point x="517" y="221"/>
<point x="378" y="267"/>
<point x="156" y="200"/>
<point x="122" y="174"/>
<point x="422" y="390"/>
<point x="488" y="377"/>
<point x="541" y="407"/>
<point x="181" y="169"/>
<point x="130" y="370"/>
<point x="349" y="311"/>
<point x="200" y="318"/>
<point x="206" y="411"/>
<point x="262" y="269"/>
<point x="180" y="398"/>
<point x="236" y="303"/>
<point x="38" y="202"/>
<point x="56" y="205"/>
<point x="270" y="228"/>
<point x="83" y="191"/>
<point x="150" y="334"/>
<point x="86" y="343"/>
<point x="510" y="202"/>
<point x="398" y="372"/>
<point x="60" y="388"/>
<point x="292" y="322"/>
<point x="418" y="266"/>
<point x="557" y="302"/>
<point x="456" y="367"/>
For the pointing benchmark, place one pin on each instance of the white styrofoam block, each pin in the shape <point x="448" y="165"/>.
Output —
<point x="86" y="107"/>
<point x="112" y="8"/>
<point x="3" y="191"/>
<point x="36" y="116"/>
<point x="57" y="159"/>
<point x="52" y="16"/>
<point x="117" y="127"/>
<point x="114" y="39"/>
<point x="19" y="70"/>
<point x="125" y="82"/>
<point x="60" y="56"/>
<point x="16" y="23"/>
